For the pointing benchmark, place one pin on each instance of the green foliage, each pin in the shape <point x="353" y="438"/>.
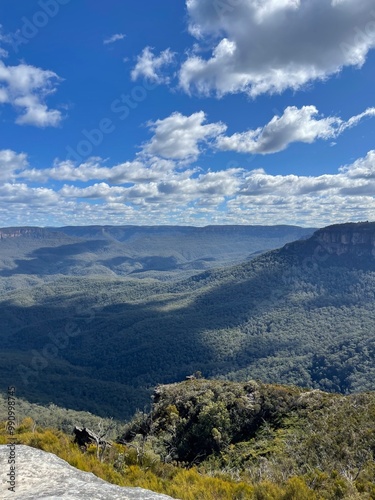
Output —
<point x="286" y="442"/>
<point x="56" y="417"/>
<point x="275" y="318"/>
<point x="212" y="440"/>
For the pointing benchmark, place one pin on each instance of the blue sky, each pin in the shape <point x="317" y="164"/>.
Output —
<point x="197" y="112"/>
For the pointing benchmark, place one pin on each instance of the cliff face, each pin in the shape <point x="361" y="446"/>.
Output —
<point x="18" y="232"/>
<point x="348" y="239"/>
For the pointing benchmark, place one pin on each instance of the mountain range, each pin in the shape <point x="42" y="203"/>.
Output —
<point x="30" y="253"/>
<point x="301" y="314"/>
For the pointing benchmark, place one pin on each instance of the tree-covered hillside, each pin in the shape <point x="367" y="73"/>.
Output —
<point x="257" y="432"/>
<point x="301" y="315"/>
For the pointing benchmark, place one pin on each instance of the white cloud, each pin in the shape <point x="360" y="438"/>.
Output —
<point x="150" y="66"/>
<point x="25" y="88"/>
<point x="114" y="38"/>
<point x="127" y="172"/>
<point x="178" y="186"/>
<point x="269" y="46"/>
<point x="36" y="113"/>
<point x="354" y="120"/>
<point x="363" y="168"/>
<point x="11" y="163"/>
<point x="217" y="184"/>
<point x="178" y="137"/>
<point x="256" y="196"/>
<point x="99" y="190"/>
<point x="358" y="177"/>
<point x="21" y="193"/>
<point x="132" y="192"/>
<point x="294" y="125"/>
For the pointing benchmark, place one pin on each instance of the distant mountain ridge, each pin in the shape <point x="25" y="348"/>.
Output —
<point x="28" y="232"/>
<point x="122" y="233"/>
<point x="123" y="250"/>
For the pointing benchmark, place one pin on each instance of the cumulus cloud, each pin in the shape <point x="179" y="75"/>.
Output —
<point x="256" y="196"/>
<point x="26" y="87"/>
<point x="294" y="125"/>
<point x="269" y="46"/>
<point x="11" y="164"/>
<point x="114" y="38"/>
<point x="92" y="193"/>
<point x="218" y="184"/>
<point x="21" y="193"/>
<point x="358" y="177"/>
<point x="127" y="172"/>
<point x="363" y="168"/>
<point x="185" y="188"/>
<point x="178" y="137"/>
<point x="150" y="66"/>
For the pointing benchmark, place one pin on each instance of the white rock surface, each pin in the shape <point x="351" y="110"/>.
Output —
<point x="42" y="475"/>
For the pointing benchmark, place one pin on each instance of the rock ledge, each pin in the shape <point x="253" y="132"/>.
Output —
<point x="42" y="475"/>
